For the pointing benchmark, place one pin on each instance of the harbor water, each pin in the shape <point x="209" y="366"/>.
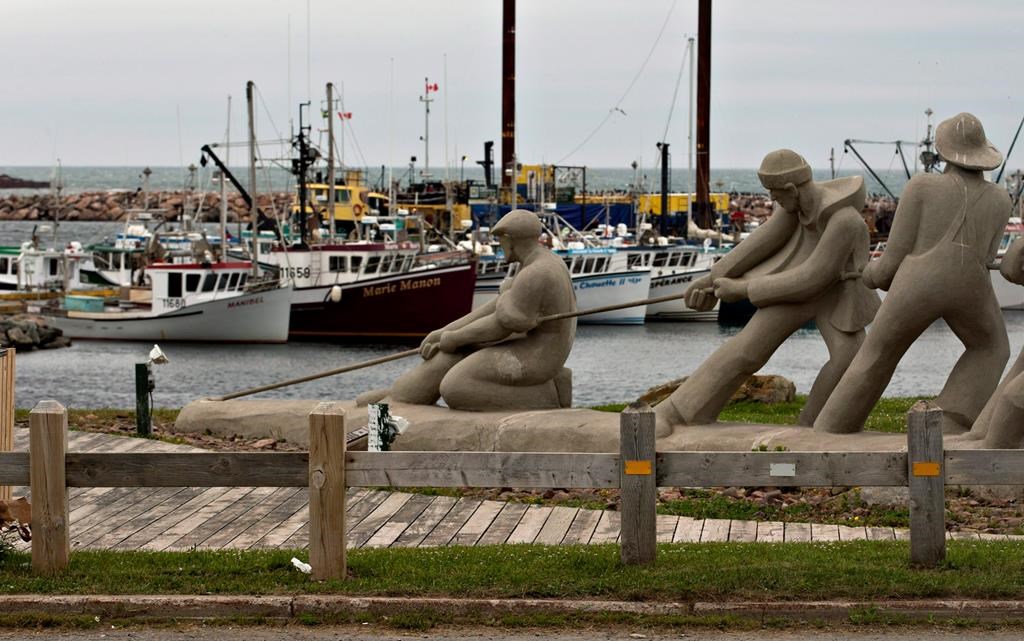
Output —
<point x="609" y="364"/>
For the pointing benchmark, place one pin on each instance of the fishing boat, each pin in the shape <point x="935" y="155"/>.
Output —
<point x="673" y="268"/>
<point x="600" y="277"/>
<point x="202" y="302"/>
<point x="1010" y="295"/>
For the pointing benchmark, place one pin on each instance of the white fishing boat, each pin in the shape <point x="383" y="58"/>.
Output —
<point x="203" y="302"/>
<point x="1010" y="295"/>
<point x="673" y="268"/>
<point x="600" y="277"/>
<point x="30" y="268"/>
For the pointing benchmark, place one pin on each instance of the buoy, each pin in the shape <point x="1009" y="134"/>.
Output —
<point x="336" y="294"/>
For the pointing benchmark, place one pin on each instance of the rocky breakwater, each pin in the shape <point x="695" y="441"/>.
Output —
<point x="114" y="205"/>
<point x="25" y="332"/>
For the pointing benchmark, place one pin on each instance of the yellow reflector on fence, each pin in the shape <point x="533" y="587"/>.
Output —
<point x="639" y="468"/>
<point x="926" y="468"/>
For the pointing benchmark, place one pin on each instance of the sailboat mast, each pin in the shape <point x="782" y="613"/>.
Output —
<point x="689" y="147"/>
<point x="330" y="157"/>
<point x="704" y="209"/>
<point x="224" y="193"/>
<point x="253" y="208"/>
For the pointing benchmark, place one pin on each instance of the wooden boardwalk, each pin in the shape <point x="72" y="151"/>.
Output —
<point x="256" y="518"/>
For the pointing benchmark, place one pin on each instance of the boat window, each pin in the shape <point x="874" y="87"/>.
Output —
<point x="691" y="259"/>
<point x="191" y="282"/>
<point x="4" y="265"/>
<point x="53" y="267"/>
<point x="357" y="262"/>
<point x="321" y="195"/>
<point x="342" y="196"/>
<point x="174" y="285"/>
<point x="209" y="282"/>
<point x="660" y="258"/>
<point x="602" y="264"/>
<point x="408" y="263"/>
<point x="241" y="281"/>
<point x="233" y="283"/>
<point x="338" y="263"/>
<point x="222" y="282"/>
<point x="634" y="260"/>
<point x="577" y="265"/>
<point x="372" y="263"/>
<point x="673" y="259"/>
<point x="588" y="266"/>
<point x="397" y="265"/>
<point x="385" y="264"/>
<point x="14" y="267"/>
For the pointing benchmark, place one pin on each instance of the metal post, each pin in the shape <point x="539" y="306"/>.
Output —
<point x="690" y="193"/>
<point x="508" y="91"/>
<point x="663" y="221"/>
<point x="253" y="207"/>
<point x="143" y="414"/>
<point x="704" y="206"/>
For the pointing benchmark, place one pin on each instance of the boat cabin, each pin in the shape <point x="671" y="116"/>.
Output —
<point x="176" y="286"/>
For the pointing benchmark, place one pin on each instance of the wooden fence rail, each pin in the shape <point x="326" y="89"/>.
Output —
<point x="637" y="470"/>
<point x="6" y="409"/>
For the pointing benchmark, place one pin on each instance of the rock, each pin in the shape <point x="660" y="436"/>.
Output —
<point x="19" y="338"/>
<point x="265" y="444"/>
<point x="759" y="388"/>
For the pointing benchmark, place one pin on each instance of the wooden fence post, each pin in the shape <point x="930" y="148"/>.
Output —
<point x="48" y="443"/>
<point x="6" y="409"/>
<point x="327" y="491"/>
<point x="637" y="482"/>
<point x="927" y="485"/>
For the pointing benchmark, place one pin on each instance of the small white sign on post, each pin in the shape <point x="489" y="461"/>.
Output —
<point x="377" y="414"/>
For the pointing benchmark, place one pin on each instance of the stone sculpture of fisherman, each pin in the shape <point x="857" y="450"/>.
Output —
<point x="1001" y="423"/>
<point x="800" y="266"/>
<point x="946" y="230"/>
<point x="499" y="356"/>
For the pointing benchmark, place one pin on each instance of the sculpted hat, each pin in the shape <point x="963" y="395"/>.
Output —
<point x="781" y="167"/>
<point x="518" y="223"/>
<point x="961" y="140"/>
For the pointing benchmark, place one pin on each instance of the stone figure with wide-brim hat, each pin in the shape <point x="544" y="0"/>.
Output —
<point x="499" y="356"/>
<point x="800" y="266"/>
<point x="947" y="229"/>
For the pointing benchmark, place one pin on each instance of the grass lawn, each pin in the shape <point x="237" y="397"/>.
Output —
<point x="870" y="570"/>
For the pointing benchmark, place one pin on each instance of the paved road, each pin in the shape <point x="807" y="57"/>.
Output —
<point x="373" y="633"/>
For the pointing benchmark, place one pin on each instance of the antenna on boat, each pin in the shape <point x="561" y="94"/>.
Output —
<point x="426" y="100"/>
<point x="223" y="190"/>
<point x="330" y="158"/>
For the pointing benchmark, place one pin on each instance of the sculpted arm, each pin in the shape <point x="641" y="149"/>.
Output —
<point x="762" y="243"/>
<point x="1012" y="266"/>
<point x="822" y="269"/>
<point x="515" y="311"/>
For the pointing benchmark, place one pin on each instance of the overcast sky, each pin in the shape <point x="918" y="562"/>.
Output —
<point x="105" y="82"/>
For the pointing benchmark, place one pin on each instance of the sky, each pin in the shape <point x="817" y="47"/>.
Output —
<point x="108" y="82"/>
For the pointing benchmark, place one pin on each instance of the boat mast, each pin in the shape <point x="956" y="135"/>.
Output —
<point x="253" y="210"/>
<point x="689" y="151"/>
<point x="330" y="157"/>
<point x="58" y="187"/>
<point x="224" y="192"/>
<point x="508" y="97"/>
<point x="705" y="210"/>
<point x="426" y="100"/>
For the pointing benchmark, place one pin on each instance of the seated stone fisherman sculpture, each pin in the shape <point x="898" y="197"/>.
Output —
<point x="499" y="356"/>
<point x="1001" y="423"/>
<point x="802" y="265"/>
<point x="946" y="230"/>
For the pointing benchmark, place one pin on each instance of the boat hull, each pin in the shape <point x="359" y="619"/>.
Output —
<point x="597" y="290"/>
<point x="406" y="305"/>
<point x="252" y="318"/>
<point x="676" y="310"/>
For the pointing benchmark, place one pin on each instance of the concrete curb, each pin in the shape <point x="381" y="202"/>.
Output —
<point x="288" y="607"/>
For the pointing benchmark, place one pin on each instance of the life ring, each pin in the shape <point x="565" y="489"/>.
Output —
<point x="357" y="209"/>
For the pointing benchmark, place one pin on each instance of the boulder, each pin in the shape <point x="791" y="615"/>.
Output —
<point x="759" y="388"/>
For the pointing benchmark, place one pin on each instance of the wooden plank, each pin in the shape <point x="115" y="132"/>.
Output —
<point x="666" y="524"/>
<point x="743" y="531"/>
<point x="368" y="504"/>
<point x="715" y="531"/>
<point x="85" y="441"/>
<point x="639" y="493"/>
<point x="7" y="357"/>
<point x="582" y="528"/>
<point x="607" y="530"/>
<point x="753" y="469"/>
<point x="557" y="525"/>
<point x="477" y="524"/>
<point x="126" y="522"/>
<point x="219" y="520"/>
<point x="294" y="500"/>
<point x="771" y="532"/>
<point x="361" y="533"/>
<point x="984" y="467"/>
<point x="149" y="532"/>
<point x="453" y="521"/>
<point x="688" y="530"/>
<point x="798" y="532"/>
<point x="964" y="536"/>
<point x="824" y="532"/>
<point x="425" y="523"/>
<point x="881" y="534"/>
<point x="173" y="534"/>
<point x="51" y="536"/>
<point x="503" y="524"/>
<point x="14" y="470"/>
<point x="250" y="517"/>
<point x="191" y="469"/>
<point x="482" y="469"/>
<point x="296" y="514"/>
<point x="847" y="533"/>
<point x="927" y="488"/>
<point x="326" y="479"/>
<point x="397" y="524"/>
<point x="530" y="525"/>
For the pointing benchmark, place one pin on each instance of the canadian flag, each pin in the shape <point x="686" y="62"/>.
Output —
<point x="431" y="87"/>
<point x="345" y="115"/>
